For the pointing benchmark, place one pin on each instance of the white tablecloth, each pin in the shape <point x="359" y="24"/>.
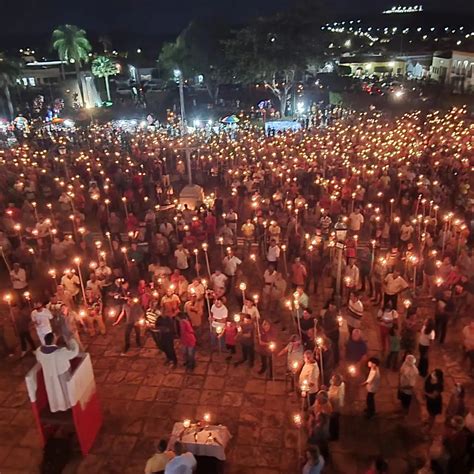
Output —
<point x="202" y="443"/>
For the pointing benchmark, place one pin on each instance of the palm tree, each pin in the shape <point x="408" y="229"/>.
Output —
<point x="72" y="46"/>
<point x="102" y="66"/>
<point x="9" y="73"/>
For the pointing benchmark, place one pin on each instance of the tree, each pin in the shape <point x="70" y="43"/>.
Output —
<point x="72" y="46"/>
<point x="199" y="50"/>
<point x="102" y="66"/>
<point x="9" y="73"/>
<point x="275" y="50"/>
<point x="106" y="43"/>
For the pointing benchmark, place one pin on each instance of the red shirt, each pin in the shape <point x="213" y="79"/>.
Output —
<point x="188" y="339"/>
<point x="230" y="335"/>
<point x="132" y="223"/>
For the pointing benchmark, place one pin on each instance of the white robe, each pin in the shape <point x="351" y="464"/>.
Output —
<point x="57" y="371"/>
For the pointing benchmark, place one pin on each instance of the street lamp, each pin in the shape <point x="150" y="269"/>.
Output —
<point x="178" y="75"/>
<point x="341" y="232"/>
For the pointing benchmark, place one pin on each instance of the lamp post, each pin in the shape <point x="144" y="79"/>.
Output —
<point x="184" y="127"/>
<point x="341" y="233"/>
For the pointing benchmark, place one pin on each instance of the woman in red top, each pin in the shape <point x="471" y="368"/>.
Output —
<point x="188" y="341"/>
<point x="230" y="338"/>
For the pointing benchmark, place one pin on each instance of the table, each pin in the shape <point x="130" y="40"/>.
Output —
<point x="203" y="440"/>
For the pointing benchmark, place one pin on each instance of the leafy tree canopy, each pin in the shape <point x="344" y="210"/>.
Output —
<point x="71" y="43"/>
<point x="102" y="66"/>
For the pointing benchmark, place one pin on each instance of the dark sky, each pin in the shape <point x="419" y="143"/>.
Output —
<point x="160" y="17"/>
<point x="147" y="16"/>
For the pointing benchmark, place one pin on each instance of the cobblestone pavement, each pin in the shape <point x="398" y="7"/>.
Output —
<point x="142" y="398"/>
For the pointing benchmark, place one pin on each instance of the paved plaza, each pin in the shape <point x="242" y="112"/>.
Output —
<point x="142" y="399"/>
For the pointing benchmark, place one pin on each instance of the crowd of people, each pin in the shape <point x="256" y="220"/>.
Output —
<point x="369" y="218"/>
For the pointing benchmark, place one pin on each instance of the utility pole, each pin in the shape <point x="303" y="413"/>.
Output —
<point x="184" y="126"/>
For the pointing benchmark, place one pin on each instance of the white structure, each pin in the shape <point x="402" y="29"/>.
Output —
<point x="399" y="9"/>
<point x="38" y="73"/>
<point x="454" y="68"/>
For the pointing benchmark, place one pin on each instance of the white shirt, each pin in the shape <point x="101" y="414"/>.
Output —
<point x="355" y="221"/>
<point x="18" y="279"/>
<point x="55" y="365"/>
<point x="273" y="253"/>
<point x="253" y="312"/>
<point x="219" y="315"/>
<point x="352" y="273"/>
<point x="42" y="320"/>
<point x="95" y="286"/>
<point x="373" y="380"/>
<point x="71" y="284"/>
<point x="310" y="373"/>
<point x="426" y="339"/>
<point x="184" y="464"/>
<point x="218" y="281"/>
<point x="181" y="259"/>
<point x="230" y="265"/>
<point x="394" y="285"/>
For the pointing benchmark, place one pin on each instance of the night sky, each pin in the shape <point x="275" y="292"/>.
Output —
<point x="158" y="17"/>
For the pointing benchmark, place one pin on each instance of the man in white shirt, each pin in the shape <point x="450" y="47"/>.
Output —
<point x="394" y="284"/>
<point x="94" y="285"/>
<point x="351" y="276"/>
<point x="166" y="228"/>
<point x="273" y="253"/>
<point x="406" y="232"/>
<point x="18" y="278"/>
<point x="230" y="264"/>
<point x="309" y="377"/>
<point x="252" y="310"/>
<point x="356" y="220"/>
<point x="218" y="317"/>
<point x="181" y="255"/>
<point x="372" y="384"/>
<point x="71" y="282"/>
<point x="183" y="463"/>
<point x="231" y="219"/>
<point x="41" y="318"/>
<point x="55" y="362"/>
<point x="218" y="282"/>
<point x="104" y="274"/>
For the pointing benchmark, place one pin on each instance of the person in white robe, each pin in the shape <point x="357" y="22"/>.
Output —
<point x="55" y="362"/>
